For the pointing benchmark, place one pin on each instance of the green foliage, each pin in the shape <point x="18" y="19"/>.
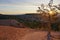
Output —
<point x="55" y="27"/>
<point x="33" y="24"/>
<point x="37" y="24"/>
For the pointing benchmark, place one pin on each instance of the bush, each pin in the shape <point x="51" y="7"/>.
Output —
<point x="55" y="27"/>
<point x="33" y="24"/>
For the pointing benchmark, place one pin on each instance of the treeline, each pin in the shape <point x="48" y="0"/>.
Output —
<point x="33" y="21"/>
<point x="39" y="25"/>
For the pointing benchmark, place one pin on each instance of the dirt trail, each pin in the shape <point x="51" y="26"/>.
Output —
<point x="41" y="35"/>
<point x="35" y="36"/>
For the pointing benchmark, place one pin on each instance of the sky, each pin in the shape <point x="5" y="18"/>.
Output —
<point x="21" y="6"/>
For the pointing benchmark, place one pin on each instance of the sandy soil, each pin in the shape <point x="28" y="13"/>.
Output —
<point x="12" y="33"/>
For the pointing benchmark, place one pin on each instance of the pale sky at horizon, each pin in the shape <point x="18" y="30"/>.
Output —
<point x="21" y="6"/>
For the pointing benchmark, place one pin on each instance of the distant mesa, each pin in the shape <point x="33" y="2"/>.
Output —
<point x="1" y="14"/>
<point x="11" y="22"/>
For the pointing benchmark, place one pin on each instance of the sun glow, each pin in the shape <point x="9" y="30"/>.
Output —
<point x="51" y="12"/>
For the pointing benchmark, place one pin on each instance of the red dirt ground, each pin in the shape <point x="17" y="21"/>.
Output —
<point x="13" y="33"/>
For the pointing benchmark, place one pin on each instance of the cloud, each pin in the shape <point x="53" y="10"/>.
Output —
<point x="18" y="6"/>
<point x="14" y="8"/>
